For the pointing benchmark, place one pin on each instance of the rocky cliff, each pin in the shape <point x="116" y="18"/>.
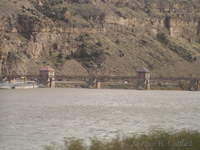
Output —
<point x="107" y="37"/>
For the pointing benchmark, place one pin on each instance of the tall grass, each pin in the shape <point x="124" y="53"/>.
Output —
<point x="160" y="140"/>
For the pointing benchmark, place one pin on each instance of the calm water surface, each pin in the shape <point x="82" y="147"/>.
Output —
<point x="30" y="119"/>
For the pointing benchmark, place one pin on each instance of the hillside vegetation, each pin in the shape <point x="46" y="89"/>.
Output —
<point x="105" y="37"/>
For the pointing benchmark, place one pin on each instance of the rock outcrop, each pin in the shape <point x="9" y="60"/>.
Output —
<point x="95" y="34"/>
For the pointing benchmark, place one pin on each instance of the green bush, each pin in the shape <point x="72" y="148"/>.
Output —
<point x="162" y="38"/>
<point x="89" y="52"/>
<point x="74" y="144"/>
<point x="117" y="41"/>
<point x="183" y="85"/>
<point x="180" y="50"/>
<point x="89" y="11"/>
<point x="158" y="140"/>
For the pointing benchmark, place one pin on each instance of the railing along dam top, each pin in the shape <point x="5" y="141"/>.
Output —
<point x="61" y="77"/>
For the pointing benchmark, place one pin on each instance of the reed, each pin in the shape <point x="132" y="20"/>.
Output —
<point x="159" y="140"/>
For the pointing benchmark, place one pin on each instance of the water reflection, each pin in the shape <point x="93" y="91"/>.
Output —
<point x="32" y="118"/>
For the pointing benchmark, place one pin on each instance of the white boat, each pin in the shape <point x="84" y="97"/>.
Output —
<point x="19" y="85"/>
<point x="5" y="86"/>
<point x="27" y="85"/>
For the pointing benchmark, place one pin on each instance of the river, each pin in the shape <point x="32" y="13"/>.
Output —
<point x="30" y="119"/>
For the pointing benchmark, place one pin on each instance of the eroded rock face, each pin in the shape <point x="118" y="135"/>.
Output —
<point x="186" y="29"/>
<point x="31" y="33"/>
<point x="198" y="32"/>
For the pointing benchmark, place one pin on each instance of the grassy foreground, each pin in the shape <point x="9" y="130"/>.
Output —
<point x="184" y="140"/>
